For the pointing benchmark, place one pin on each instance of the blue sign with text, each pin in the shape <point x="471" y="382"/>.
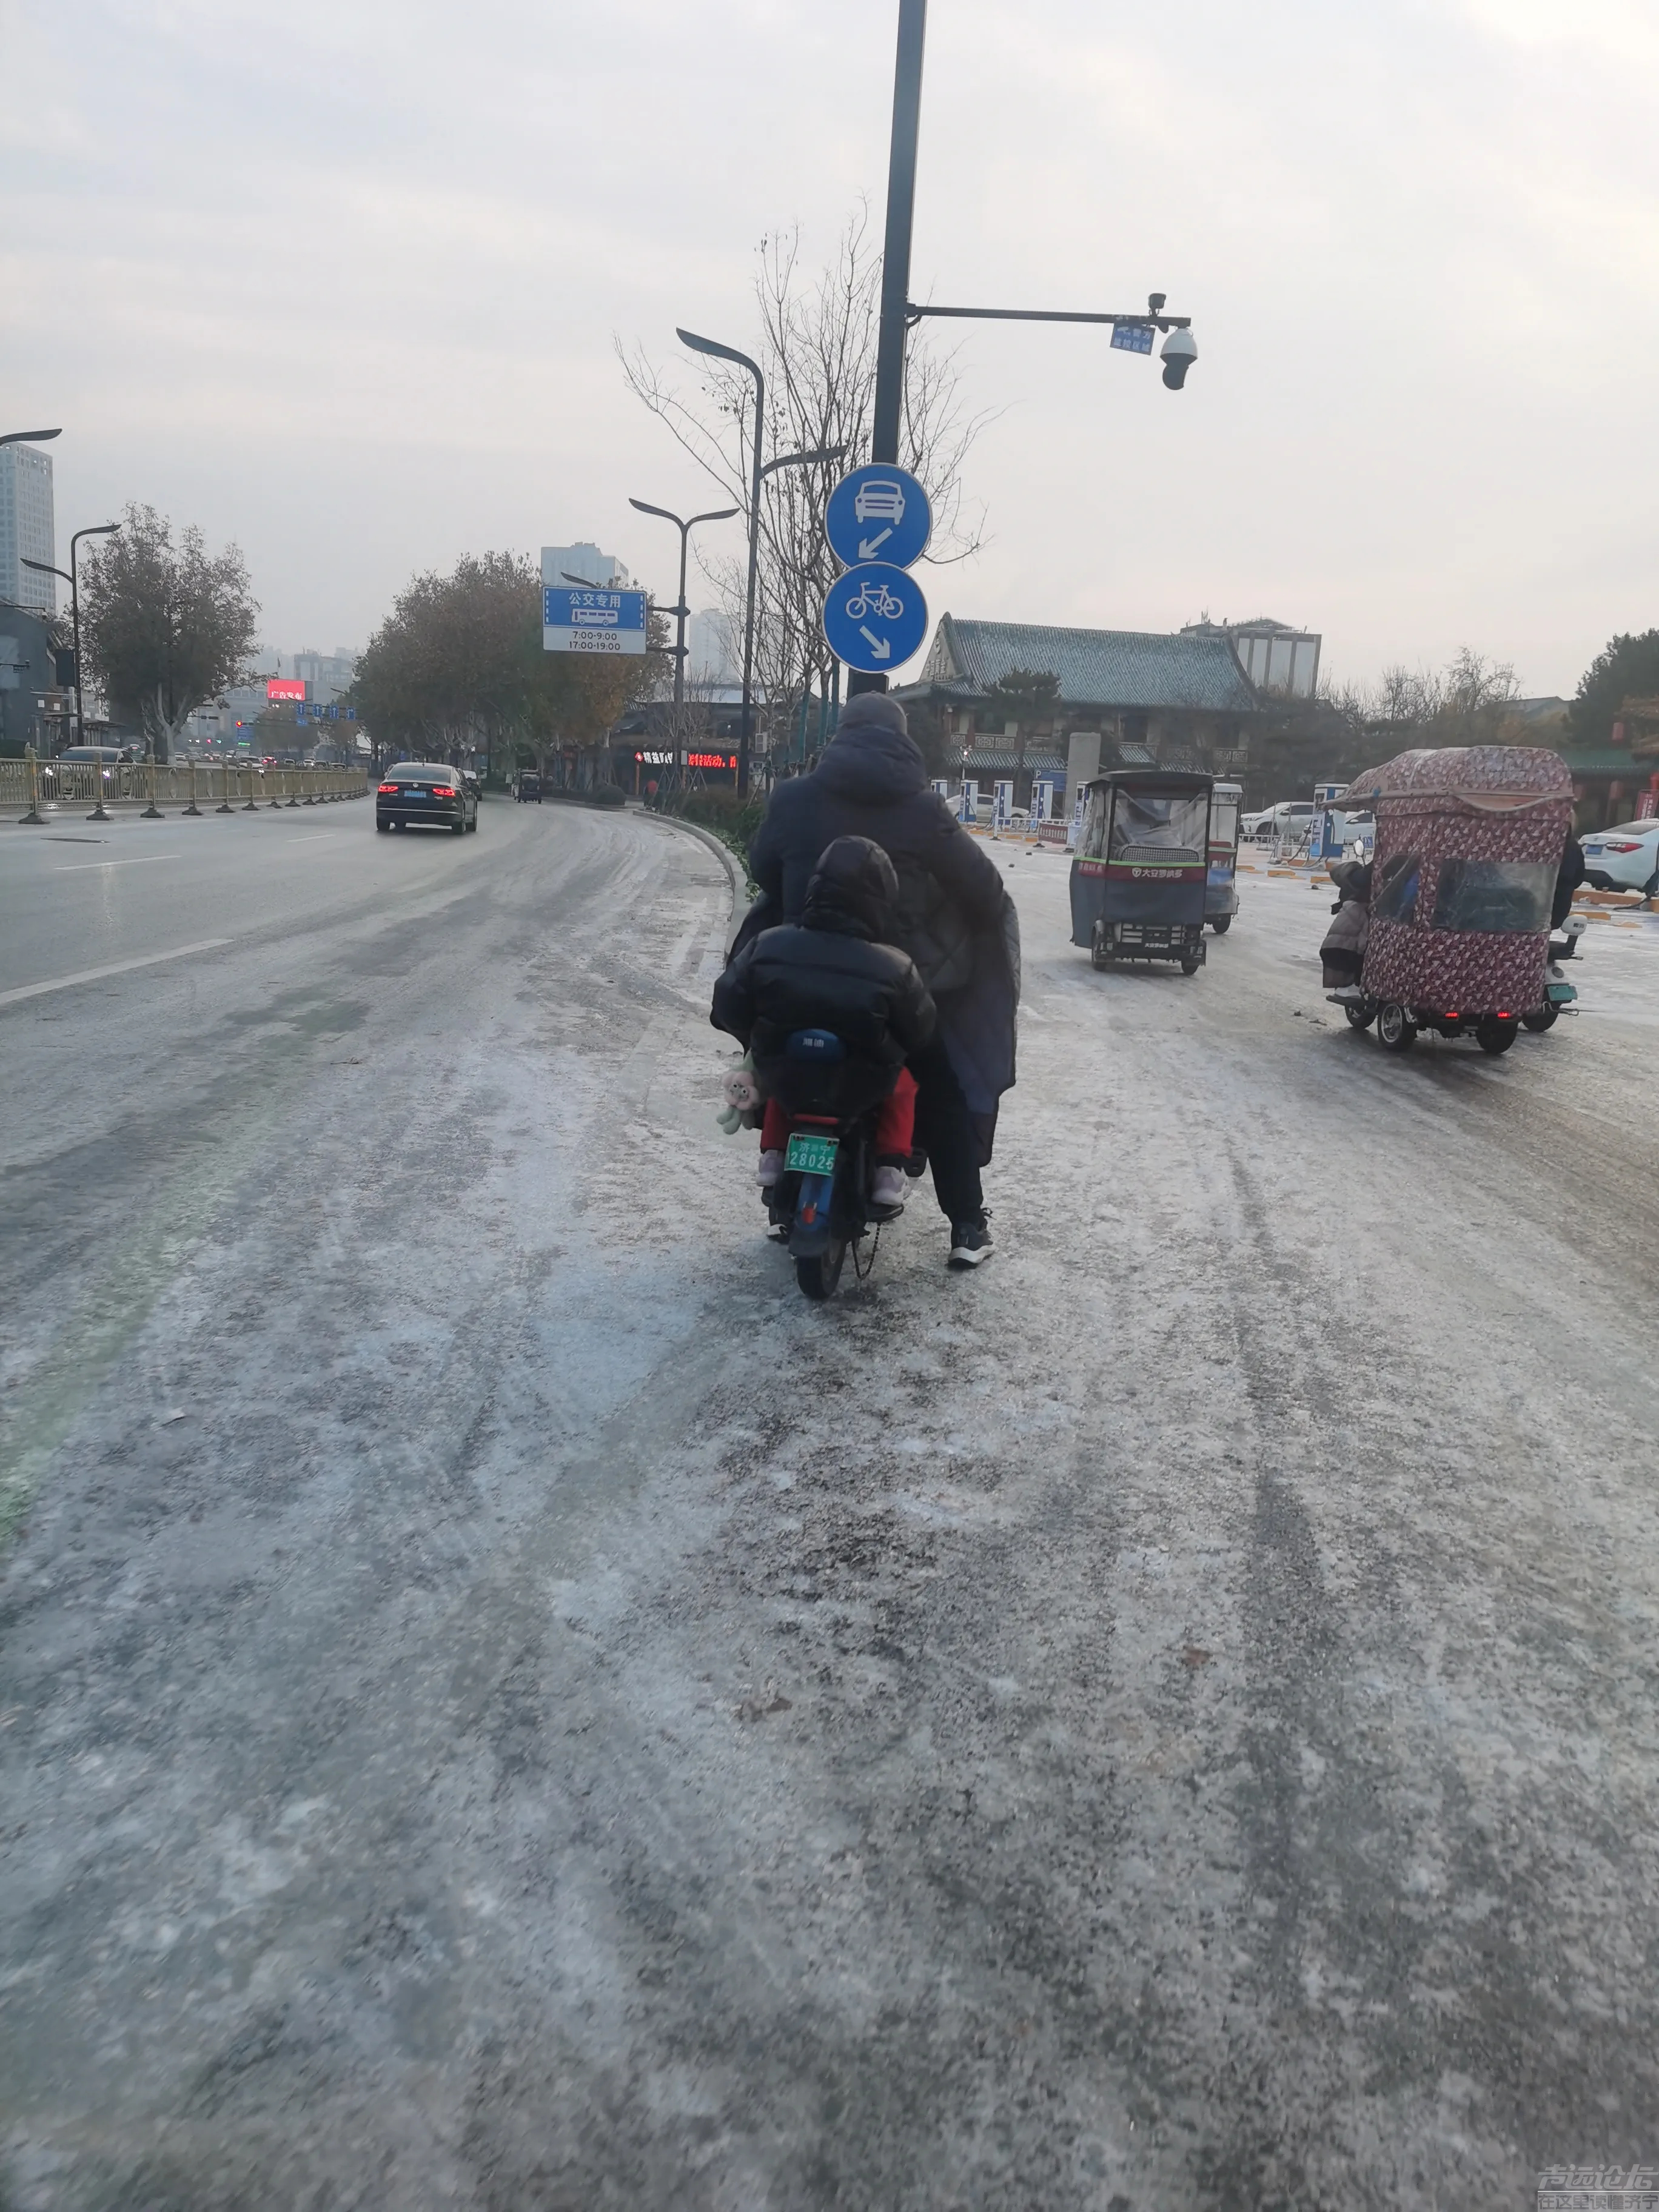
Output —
<point x="878" y="513"/>
<point x="581" y="618"/>
<point x="875" y="617"/>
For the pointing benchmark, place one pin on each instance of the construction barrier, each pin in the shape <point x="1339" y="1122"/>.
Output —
<point x="33" y="787"/>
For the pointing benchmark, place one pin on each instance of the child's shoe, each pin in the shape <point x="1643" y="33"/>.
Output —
<point x="887" y="1189"/>
<point x="770" y="1171"/>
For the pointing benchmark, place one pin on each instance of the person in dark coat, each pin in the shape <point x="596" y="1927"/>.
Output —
<point x="1568" y="877"/>
<point x="837" y="968"/>
<point x="955" y="920"/>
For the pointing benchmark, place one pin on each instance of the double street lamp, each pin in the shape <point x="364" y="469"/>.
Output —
<point x="680" y="610"/>
<point x="758" y="473"/>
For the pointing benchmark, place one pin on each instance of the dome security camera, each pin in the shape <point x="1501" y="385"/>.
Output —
<point x="1180" y="351"/>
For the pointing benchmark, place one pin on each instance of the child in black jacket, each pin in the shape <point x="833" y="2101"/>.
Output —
<point x="837" y="969"/>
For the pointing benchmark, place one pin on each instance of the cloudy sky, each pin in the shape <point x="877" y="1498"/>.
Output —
<point x="340" y="281"/>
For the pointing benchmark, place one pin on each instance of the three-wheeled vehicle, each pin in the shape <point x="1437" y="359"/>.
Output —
<point x="1468" y="844"/>
<point x="530" y="785"/>
<point x="1220" y="898"/>
<point x="1139" y="874"/>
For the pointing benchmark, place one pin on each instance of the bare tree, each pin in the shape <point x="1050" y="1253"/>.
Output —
<point x="818" y="353"/>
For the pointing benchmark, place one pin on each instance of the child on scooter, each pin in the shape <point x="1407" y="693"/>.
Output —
<point x="837" y="969"/>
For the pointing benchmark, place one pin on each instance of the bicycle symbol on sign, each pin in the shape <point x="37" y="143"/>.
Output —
<point x="885" y="606"/>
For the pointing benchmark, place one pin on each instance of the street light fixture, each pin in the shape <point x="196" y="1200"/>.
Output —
<point x="94" y="530"/>
<point x="680" y="610"/>
<point x="757" y="473"/>
<point x="28" y="437"/>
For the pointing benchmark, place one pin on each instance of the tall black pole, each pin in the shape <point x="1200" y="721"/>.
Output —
<point x="896" y="251"/>
<point x="680" y="612"/>
<point x="754" y="572"/>
<point x="75" y="625"/>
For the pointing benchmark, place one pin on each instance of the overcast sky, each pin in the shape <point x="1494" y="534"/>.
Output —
<point x="340" y="281"/>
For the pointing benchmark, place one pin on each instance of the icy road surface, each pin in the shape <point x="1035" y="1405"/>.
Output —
<point x="504" y="1705"/>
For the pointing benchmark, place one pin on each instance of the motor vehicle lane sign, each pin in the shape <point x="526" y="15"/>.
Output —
<point x="875" y="617"/>
<point x="878" y="514"/>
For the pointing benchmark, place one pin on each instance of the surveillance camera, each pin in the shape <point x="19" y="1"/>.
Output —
<point x="1179" y="353"/>
<point x="1155" y="302"/>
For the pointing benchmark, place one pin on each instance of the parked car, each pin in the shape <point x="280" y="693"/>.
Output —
<point x="1289" y="819"/>
<point x="530" y="785"/>
<point x="426" y="793"/>
<point x="1625" y="859"/>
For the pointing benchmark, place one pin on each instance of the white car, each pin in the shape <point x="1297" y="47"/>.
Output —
<point x="1291" y="818"/>
<point x="1625" y="859"/>
<point x="879" y="500"/>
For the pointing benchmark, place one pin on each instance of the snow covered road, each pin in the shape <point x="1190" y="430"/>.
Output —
<point x="507" y="1706"/>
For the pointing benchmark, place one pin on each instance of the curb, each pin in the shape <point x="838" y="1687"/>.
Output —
<point x="740" y="895"/>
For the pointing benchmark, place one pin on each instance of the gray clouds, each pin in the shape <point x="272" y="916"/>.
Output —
<point x="341" y="282"/>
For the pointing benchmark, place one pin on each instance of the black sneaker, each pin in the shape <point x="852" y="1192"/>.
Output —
<point x="970" y="1242"/>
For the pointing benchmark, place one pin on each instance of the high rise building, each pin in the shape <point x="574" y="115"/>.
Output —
<point x="26" y="530"/>
<point x="586" y="563"/>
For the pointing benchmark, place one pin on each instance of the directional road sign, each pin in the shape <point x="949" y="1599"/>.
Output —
<point x="577" y="620"/>
<point x="878" y="514"/>
<point x="875" y="617"/>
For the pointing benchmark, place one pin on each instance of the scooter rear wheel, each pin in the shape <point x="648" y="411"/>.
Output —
<point x="818" y="1275"/>
<point x="1540" y="1019"/>
<point x="1359" y="1017"/>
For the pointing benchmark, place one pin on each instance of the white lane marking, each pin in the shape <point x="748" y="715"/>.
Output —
<point x="115" y="968"/>
<point x="314" y="837"/>
<point x="74" y="867"/>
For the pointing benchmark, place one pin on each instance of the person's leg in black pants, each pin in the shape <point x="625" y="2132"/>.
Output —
<point x="945" y="1132"/>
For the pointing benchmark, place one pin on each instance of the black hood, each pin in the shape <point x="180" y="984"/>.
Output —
<point x="872" y="758"/>
<point x="854" y="890"/>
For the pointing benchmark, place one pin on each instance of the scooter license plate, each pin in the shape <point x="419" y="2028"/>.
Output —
<point x="1559" y="995"/>
<point x="811" y="1155"/>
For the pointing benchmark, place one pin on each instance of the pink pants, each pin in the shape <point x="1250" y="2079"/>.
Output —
<point x="896" y="1124"/>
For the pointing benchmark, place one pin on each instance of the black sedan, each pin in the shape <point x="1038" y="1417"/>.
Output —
<point x="426" y="793"/>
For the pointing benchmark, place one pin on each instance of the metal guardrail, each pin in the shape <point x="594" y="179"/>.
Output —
<point x="196" y="788"/>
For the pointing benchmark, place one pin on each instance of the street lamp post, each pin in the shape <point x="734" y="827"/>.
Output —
<point x="680" y="610"/>
<point x="93" y="530"/>
<point x="757" y="474"/>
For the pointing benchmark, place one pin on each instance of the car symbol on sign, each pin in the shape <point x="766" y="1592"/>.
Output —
<point x="878" y="502"/>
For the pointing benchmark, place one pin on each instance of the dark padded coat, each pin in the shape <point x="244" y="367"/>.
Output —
<point x="955" y="919"/>
<point x="831" y="970"/>
<point x="872" y="782"/>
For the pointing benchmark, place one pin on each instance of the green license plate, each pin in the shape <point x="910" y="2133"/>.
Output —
<point x="811" y="1154"/>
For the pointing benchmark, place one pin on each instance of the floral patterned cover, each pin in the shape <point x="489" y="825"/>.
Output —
<point x="1478" y="803"/>
<point x="1484" y="776"/>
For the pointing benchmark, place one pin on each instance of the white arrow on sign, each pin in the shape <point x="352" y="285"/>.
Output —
<point x="869" y="547"/>
<point x="880" y="648"/>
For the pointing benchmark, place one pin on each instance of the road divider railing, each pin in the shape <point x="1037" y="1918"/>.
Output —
<point x="38" y="788"/>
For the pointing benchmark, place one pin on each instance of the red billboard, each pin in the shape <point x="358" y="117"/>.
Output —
<point x="283" y="687"/>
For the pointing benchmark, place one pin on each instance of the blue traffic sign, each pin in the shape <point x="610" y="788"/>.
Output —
<point x="878" y="514"/>
<point x="875" y="617"/>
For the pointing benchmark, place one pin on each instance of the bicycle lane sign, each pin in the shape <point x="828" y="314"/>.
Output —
<point x="875" y="617"/>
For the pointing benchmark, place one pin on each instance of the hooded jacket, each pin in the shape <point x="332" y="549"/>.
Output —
<point x="955" y="919"/>
<point x="835" y="969"/>
<point x="872" y="782"/>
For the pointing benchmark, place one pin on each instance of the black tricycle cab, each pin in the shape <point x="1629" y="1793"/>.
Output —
<point x="1140" y="872"/>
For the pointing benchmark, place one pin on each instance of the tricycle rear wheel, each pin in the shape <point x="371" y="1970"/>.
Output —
<point x="1493" y="1036"/>
<point x="1395" y="1029"/>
